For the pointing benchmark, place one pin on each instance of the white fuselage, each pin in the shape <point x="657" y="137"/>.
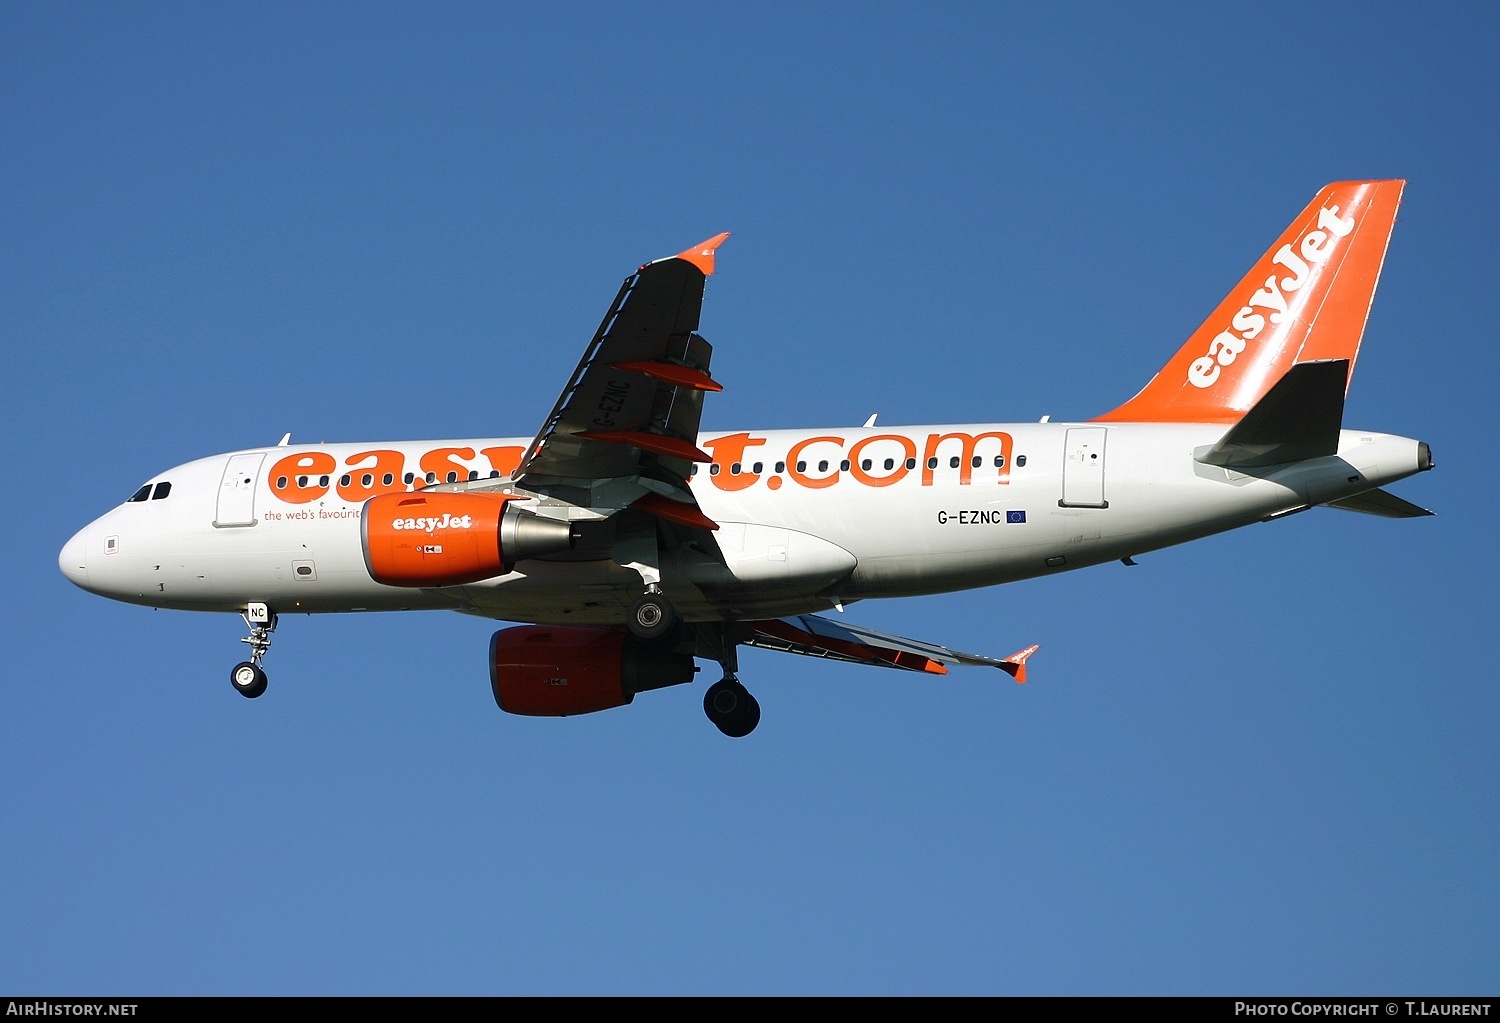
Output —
<point x="808" y="519"/>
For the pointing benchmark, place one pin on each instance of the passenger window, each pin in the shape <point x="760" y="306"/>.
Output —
<point x="756" y="468"/>
<point x="953" y="462"/>
<point x="1020" y="460"/>
<point x="452" y="475"/>
<point x="432" y="477"/>
<point x="368" y="479"/>
<point x="932" y="463"/>
<point x="713" y="470"/>
<point x="389" y="479"/>
<point x="911" y="463"/>
<point x="801" y="466"/>
<point x="976" y="461"/>
<point x="999" y="461"/>
<point x="141" y="494"/>
<point x="823" y="465"/>
<point x="844" y="465"/>
<point x="162" y="490"/>
<point x="280" y="482"/>
<point x="322" y="481"/>
<point x="890" y="463"/>
<point x="408" y="478"/>
<point x="344" y="480"/>
<point x="781" y="467"/>
<point x="734" y="470"/>
<point x="473" y="475"/>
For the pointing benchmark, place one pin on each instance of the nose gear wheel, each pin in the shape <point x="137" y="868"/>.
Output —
<point x="249" y="677"/>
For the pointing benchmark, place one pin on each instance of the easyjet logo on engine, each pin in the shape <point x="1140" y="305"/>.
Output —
<point x="1270" y="304"/>
<point x="433" y="524"/>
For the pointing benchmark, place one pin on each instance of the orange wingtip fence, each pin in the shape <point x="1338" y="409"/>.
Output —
<point x="702" y="254"/>
<point x="1015" y="664"/>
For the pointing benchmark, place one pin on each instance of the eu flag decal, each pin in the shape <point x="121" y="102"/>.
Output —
<point x="1015" y="516"/>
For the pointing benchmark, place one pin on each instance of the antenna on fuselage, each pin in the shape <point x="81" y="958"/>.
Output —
<point x="286" y="439"/>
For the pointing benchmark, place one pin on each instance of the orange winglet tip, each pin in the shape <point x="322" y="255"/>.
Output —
<point x="702" y="254"/>
<point x="671" y="373"/>
<point x="675" y="511"/>
<point x="672" y="447"/>
<point x="1015" y="664"/>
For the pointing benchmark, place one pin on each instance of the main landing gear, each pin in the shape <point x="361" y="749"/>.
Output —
<point x="248" y="677"/>
<point x="654" y="621"/>
<point x="653" y="618"/>
<point x="727" y="703"/>
<point x="731" y="707"/>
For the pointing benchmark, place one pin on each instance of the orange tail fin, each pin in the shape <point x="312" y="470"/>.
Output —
<point x="1306" y="299"/>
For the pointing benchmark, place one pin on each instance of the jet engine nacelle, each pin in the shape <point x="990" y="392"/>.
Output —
<point x="555" y="671"/>
<point x="452" y="537"/>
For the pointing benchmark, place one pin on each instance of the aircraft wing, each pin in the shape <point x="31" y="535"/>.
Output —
<point x="821" y="637"/>
<point x="625" y="428"/>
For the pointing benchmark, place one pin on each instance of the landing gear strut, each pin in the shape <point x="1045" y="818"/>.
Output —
<point x="248" y="677"/>
<point x="727" y="703"/>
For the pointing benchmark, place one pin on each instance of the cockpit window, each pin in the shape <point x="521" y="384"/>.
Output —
<point x="162" y="490"/>
<point x="140" y="495"/>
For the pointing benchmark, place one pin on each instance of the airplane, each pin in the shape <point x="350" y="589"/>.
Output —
<point x="628" y="542"/>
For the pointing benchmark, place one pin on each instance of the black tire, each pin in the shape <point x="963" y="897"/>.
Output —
<point x="248" y="680"/>
<point x="731" y="708"/>
<point x="652" y="617"/>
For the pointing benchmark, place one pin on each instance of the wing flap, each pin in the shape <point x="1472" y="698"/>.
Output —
<point x="813" y="636"/>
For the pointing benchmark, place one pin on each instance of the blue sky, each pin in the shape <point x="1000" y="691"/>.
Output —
<point x="1262" y="763"/>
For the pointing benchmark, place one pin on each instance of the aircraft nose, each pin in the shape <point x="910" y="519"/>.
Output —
<point x="74" y="559"/>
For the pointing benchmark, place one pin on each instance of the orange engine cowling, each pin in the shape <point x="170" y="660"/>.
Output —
<point x="448" y="538"/>
<point x="555" y="671"/>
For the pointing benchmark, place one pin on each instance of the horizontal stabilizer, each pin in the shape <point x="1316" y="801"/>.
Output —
<point x="1378" y="502"/>
<point x="1300" y="417"/>
<point x="820" y="637"/>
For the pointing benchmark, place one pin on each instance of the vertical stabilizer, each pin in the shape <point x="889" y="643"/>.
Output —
<point x="1305" y="300"/>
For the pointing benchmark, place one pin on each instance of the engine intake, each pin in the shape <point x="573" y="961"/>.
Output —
<point x="557" y="671"/>
<point x="451" y="538"/>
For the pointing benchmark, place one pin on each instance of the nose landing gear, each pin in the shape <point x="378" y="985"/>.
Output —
<point x="248" y="677"/>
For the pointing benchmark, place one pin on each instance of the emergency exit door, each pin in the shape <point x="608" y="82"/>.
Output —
<point x="1083" y="468"/>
